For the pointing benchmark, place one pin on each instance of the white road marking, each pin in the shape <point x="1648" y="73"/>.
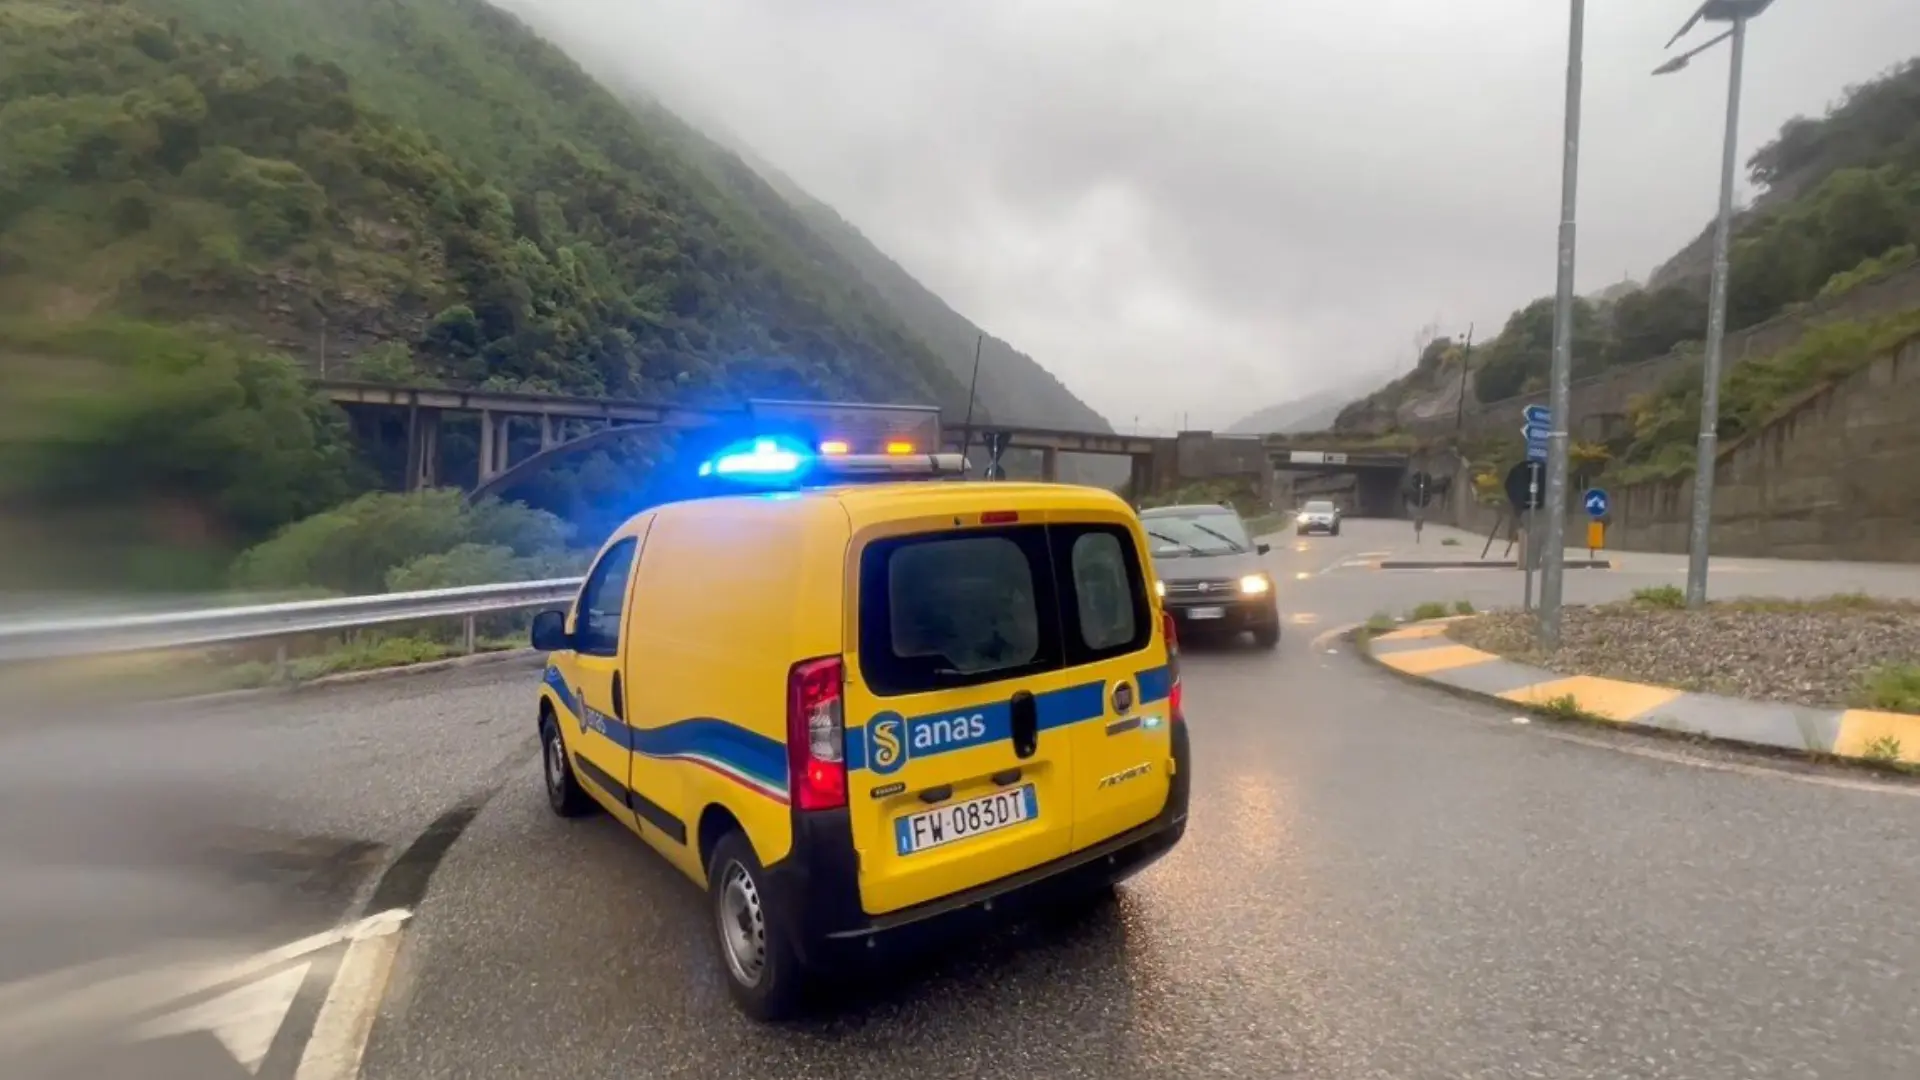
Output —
<point x="340" y="1034"/>
<point x="33" y="1012"/>
<point x="244" y="1020"/>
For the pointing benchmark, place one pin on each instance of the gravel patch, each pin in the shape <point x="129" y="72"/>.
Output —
<point x="1819" y="653"/>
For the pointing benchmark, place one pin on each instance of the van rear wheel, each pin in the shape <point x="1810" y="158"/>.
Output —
<point x="763" y="972"/>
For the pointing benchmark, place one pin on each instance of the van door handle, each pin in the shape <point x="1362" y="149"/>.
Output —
<point x="1026" y="724"/>
<point x="619" y="699"/>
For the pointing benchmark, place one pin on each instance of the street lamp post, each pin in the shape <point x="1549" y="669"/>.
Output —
<point x="1561" y="373"/>
<point x="1737" y="12"/>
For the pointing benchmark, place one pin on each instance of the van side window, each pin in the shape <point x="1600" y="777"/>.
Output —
<point x="596" y="629"/>
<point x="1109" y="596"/>
<point x="954" y="610"/>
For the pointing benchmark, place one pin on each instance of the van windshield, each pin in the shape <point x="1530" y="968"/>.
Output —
<point x="1319" y="508"/>
<point x="956" y="609"/>
<point x="1197" y="534"/>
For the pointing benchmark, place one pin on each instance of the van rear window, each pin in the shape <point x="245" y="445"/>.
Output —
<point x="957" y="609"/>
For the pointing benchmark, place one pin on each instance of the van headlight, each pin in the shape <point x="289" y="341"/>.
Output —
<point x="1255" y="584"/>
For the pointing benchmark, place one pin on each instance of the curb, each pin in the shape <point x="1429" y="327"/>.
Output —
<point x="1423" y="653"/>
<point x="1484" y="564"/>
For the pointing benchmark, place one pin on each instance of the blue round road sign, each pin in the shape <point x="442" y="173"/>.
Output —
<point x="1596" y="502"/>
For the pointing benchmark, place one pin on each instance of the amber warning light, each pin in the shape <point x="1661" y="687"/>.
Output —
<point x="898" y="447"/>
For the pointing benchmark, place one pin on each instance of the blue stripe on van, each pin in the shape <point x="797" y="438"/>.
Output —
<point x="1155" y="684"/>
<point x="746" y="757"/>
<point x="959" y="729"/>
<point x="761" y="763"/>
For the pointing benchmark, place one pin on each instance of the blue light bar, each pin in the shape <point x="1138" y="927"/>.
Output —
<point x="764" y="459"/>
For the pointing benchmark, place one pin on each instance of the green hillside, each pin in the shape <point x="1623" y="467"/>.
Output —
<point x="202" y="199"/>
<point x="424" y="172"/>
<point x="1839" y="205"/>
<point x="502" y="98"/>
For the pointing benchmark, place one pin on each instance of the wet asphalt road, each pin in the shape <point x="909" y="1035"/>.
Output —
<point x="1378" y="881"/>
<point x="135" y="837"/>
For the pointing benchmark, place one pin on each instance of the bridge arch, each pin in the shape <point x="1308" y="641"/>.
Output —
<point x="547" y="457"/>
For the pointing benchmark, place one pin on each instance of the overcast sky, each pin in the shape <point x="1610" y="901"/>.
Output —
<point x="1209" y="206"/>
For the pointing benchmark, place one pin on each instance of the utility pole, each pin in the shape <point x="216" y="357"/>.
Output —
<point x="1551" y="566"/>
<point x="1466" y="357"/>
<point x="966" y="430"/>
<point x="1698" y="536"/>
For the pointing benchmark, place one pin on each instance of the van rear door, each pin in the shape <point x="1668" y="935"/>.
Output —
<point x="1123" y="753"/>
<point x="954" y="780"/>
<point x="987" y="729"/>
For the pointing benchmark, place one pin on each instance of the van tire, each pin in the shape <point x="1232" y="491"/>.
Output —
<point x="762" y="970"/>
<point x="1267" y="637"/>
<point x="564" y="796"/>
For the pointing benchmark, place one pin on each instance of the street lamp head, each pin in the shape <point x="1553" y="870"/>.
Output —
<point x="1729" y="10"/>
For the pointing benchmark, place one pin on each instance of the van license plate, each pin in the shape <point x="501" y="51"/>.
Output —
<point x="1206" y="613"/>
<point x="989" y="813"/>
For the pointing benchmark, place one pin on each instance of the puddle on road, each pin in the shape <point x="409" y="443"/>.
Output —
<point x="325" y="869"/>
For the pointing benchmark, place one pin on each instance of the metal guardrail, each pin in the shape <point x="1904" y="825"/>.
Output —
<point x="56" y="638"/>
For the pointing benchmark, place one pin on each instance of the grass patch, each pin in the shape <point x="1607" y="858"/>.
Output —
<point x="365" y="655"/>
<point x="1660" y="596"/>
<point x="1892" y="688"/>
<point x="1432" y="609"/>
<point x="1567" y="707"/>
<point x="1449" y="541"/>
<point x="1463" y="607"/>
<point x="1884" y="750"/>
<point x="1378" y="623"/>
<point x="1839" y="604"/>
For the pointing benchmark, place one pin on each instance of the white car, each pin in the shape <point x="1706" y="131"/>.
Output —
<point x="1318" y="516"/>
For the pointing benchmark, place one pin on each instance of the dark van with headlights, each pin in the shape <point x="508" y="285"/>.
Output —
<point x="1210" y="577"/>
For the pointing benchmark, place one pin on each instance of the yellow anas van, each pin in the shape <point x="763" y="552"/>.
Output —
<point x="855" y="704"/>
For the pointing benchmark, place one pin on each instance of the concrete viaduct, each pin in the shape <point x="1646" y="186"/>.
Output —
<point x="567" y="425"/>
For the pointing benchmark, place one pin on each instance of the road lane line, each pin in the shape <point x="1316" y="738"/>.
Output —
<point x="345" y="1023"/>
<point x="117" y="998"/>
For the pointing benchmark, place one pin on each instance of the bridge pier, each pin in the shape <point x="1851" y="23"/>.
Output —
<point x="496" y="443"/>
<point x="423" y="449"/>
<point x="1050" y="465"/>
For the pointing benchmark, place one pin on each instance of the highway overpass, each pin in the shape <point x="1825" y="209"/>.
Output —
<point x="521" y="434"/>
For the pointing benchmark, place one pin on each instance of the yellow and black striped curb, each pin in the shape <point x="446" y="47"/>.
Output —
<point x="1423" y="652"/>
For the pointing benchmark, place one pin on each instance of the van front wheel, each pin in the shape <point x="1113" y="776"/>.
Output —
<point x="763" y="973"/>
<point x="563" y="789"/>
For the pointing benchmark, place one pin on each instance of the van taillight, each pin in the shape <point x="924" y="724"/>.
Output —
<point x="1174" y="703"/>
<point x="816" y="735"/>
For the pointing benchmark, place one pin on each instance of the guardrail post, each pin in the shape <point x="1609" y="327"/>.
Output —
<point x="280" y="662"/>
<point x="471" y="640"/>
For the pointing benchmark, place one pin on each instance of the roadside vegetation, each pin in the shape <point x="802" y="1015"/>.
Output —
<point x="204" y="203"/>
<point x="1839" y="209"/>
<point x="1848" y="650"/>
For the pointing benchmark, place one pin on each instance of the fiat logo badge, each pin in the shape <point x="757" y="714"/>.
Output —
<point x="1122" y="698"/>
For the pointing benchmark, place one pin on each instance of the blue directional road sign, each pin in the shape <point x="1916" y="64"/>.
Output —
<point x="1597" y="502"/>
<point x="1538" y="424"/>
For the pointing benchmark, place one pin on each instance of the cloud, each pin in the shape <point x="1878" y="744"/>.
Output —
<point x="1206" y="207"/>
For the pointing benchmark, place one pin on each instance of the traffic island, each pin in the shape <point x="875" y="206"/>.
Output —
<point x="1836" y="677"/>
